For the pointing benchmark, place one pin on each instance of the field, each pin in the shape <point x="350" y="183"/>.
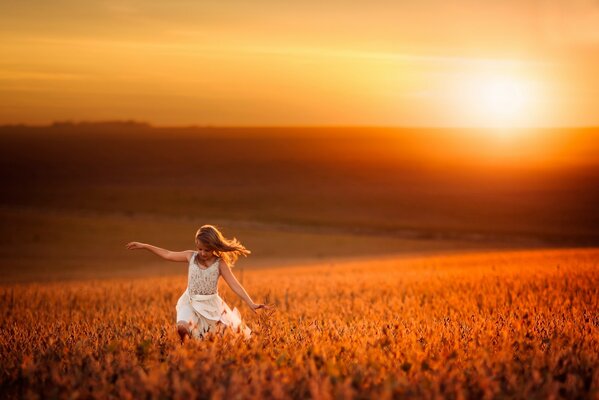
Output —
<point x="522" y="324"/>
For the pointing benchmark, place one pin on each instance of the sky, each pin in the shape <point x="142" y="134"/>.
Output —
<point x="326" y="62"/>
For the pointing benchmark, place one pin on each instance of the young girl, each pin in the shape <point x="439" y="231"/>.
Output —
<point x="200" y="309"/>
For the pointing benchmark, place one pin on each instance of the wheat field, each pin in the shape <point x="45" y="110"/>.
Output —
<point x="522" y="324"/>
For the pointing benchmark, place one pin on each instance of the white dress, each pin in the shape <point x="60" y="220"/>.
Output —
<point x="201" y="304"/>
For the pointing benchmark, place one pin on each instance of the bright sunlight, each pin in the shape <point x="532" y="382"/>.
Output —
<point x="498" y="101"/>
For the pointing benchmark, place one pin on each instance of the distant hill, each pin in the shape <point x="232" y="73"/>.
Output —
<point x="541" y="184"/>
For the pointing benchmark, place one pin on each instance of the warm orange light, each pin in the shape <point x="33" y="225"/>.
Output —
<point x="498" y="101"/>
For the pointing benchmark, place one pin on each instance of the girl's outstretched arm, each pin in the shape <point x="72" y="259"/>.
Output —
<point x="164" y="253"/>
<point x="234" y="284"/>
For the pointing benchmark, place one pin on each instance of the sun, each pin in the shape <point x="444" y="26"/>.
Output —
<point x="504" y="98"/>
<point x="497" y="101"/>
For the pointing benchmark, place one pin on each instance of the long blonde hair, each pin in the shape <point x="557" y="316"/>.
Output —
<point x="228" y="249"/>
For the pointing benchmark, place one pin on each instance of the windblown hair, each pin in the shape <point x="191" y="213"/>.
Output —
<point x="227" y="249"/>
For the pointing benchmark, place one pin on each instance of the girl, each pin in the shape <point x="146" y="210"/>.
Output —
<point x="200" y="309"/>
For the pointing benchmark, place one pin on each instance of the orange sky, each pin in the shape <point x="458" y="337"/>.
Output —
<point x="422" y="63"/>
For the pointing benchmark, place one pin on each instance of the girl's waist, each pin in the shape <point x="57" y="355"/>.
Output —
<point x="202" y="297"/>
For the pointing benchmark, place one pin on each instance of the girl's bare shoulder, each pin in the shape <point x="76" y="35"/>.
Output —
<point x="222" y="264"/>
<point x="187" y="254"/>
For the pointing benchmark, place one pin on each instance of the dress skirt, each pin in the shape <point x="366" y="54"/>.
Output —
<point x="205" y="312"/>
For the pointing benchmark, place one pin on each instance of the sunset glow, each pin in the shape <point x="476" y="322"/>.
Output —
<point x="498" y="101"/>
<point x="504" y="100"/>
<point x="512" y="63"/>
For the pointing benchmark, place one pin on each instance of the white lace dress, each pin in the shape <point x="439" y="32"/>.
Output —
<point x="201" y="304"/>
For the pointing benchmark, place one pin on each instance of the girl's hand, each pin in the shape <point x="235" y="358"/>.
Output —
<point x="135" y="245"/>
<point x="255" y="306"/>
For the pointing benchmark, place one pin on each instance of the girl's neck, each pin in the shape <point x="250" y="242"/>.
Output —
<point x="210" y="261"/>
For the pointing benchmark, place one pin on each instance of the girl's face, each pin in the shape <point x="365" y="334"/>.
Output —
<point x="203" y="251"/>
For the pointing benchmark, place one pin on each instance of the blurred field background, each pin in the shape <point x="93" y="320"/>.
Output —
<point x="74" y="194"/>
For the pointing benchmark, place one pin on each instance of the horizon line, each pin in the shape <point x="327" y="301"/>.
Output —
<point x="151" y="125"/>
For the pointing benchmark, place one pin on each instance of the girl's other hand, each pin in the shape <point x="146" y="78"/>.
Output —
<point x="135" y="245"/>
<point x="264" y="306"/>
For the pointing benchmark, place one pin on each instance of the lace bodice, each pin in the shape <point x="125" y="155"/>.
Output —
<point x="202" y="280"/>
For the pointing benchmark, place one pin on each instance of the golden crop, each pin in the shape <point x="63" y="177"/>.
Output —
<point x="519" y="324"/>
